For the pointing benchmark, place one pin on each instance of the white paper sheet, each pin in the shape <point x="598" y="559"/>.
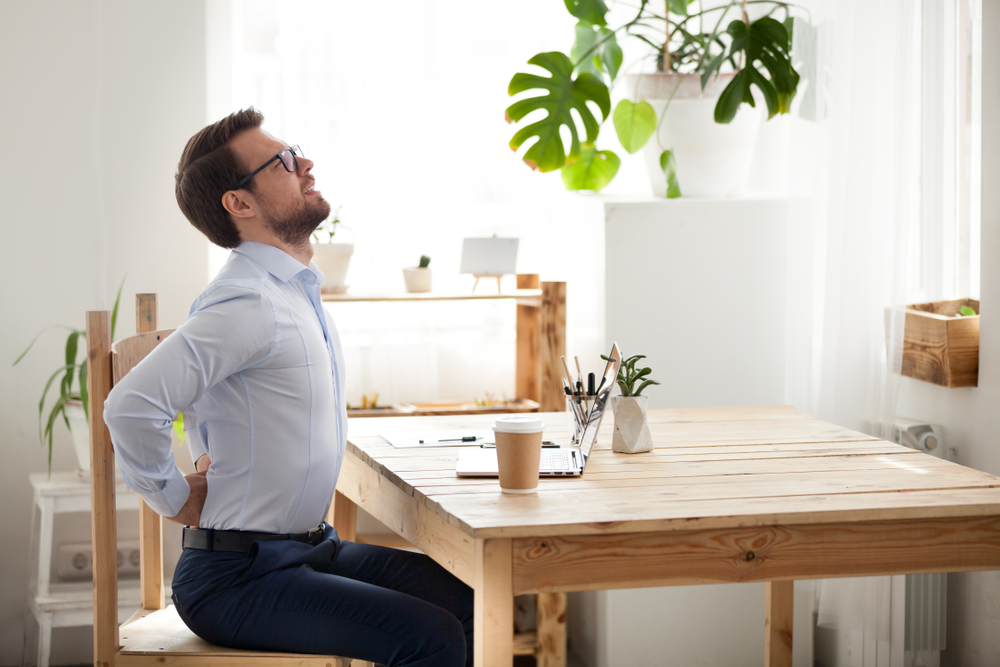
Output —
<point x="411" y="439"/>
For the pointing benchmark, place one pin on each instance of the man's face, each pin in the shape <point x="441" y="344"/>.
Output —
<point x="289" y="204"/>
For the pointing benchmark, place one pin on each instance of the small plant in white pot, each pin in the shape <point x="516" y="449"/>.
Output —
<point x="631" y="434"/>
<point x="418" y="278"/>
<point x="333" y="259"/>
<point x="71" y="403"/>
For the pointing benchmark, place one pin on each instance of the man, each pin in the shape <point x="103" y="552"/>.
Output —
<point x="259" y="373"/>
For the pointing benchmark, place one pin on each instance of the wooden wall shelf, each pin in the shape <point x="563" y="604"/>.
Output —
<point x="541" y="332"/>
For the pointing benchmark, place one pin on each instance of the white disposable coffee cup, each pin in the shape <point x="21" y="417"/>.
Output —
<point x="519" y="449"/>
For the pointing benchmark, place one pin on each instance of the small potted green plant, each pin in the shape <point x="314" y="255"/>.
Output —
<point x="71" y="403"/>
<point x="631" y="435"/>
<point x="418" y="278"/>
<point x="333" y="259"/>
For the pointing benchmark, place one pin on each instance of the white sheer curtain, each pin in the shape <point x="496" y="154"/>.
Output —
<point x="855" y="184"/>
<point x="401" y="104"/>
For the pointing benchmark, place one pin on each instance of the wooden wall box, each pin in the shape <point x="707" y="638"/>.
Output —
<point x="939" y="347"/>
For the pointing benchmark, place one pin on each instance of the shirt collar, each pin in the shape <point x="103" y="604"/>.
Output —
<point x="277" y="262"/>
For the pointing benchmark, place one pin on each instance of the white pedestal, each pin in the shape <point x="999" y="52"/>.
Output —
<point x="698" y="286"/>
<point x="57" y="605"/>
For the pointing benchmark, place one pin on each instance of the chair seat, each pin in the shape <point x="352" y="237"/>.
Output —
<point x="163" y="633"/>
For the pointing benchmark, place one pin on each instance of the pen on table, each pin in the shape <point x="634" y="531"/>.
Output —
<point x="464" y="438"/>
<point x="547" y="444"/>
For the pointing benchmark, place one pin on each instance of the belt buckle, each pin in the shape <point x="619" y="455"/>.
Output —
<point x="316" y="536"/>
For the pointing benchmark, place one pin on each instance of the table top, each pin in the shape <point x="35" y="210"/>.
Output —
<point x="711" y="468"/>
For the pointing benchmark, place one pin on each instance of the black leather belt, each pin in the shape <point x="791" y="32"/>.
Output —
<point x="240" y="540"/>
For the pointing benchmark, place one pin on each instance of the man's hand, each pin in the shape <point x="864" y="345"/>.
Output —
<point x="202" y="464"/>
<point x="190" y="514"/>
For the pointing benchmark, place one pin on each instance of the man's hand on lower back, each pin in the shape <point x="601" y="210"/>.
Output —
<point x="190" y="514"/>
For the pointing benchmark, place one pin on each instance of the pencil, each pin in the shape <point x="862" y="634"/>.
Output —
<point x="569" y="377"/>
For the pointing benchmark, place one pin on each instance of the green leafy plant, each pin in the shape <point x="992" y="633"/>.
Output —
<point x="686" y="42"/>
<point x="490" y="400"/>
<point x="366" y="403"/>
<point x="327" y="229"/>
<point x="628" y="375"/>
<point x="965" y="311"/>
<point x="72" y="378"/>
<point x="425" y="261"/>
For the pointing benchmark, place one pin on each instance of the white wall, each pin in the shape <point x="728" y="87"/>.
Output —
<point x="970" y="415"/>
<point x="99" y="99"/>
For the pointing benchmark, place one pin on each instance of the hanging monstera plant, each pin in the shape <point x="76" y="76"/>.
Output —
<point x="759" y="52"/>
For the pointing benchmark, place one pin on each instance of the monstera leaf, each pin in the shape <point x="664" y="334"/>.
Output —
<point x="591" y="11"/>
<point x="592" y="171"/>
<point x="562" y="94"/>
<point x="765" y="43"/>
<point x="606" y="57"/>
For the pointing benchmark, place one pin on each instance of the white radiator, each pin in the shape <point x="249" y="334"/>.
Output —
<point x="926" y="616"/>
<point x="926" y="594"/>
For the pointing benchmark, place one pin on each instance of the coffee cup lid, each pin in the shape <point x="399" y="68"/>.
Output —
<point x="519" y="424"/>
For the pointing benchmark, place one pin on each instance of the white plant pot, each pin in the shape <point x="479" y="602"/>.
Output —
<point x="333" y="259"/>
<point x="417" y="279"/>
<point x="631" y="434"/>
<point x="81" y="436"/>
<point x="713" y="159"/>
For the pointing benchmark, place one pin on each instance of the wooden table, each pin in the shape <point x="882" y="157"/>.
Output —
<point x="729" y="495"/>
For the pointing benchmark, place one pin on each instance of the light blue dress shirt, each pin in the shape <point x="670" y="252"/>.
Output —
<point x="258" y="370"/>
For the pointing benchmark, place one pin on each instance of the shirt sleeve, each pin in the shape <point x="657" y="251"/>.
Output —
<point x="230" y="329"/>
<point x="195" y="443"/>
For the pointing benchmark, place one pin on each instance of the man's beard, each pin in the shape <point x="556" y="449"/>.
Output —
<point x="294" y="228"/>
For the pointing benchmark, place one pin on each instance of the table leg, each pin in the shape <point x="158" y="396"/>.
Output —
<point x="344" y="514"/>
<point x="493" y="636"/>
<point x="551" y="630"/>
<point x="778" y="624"/>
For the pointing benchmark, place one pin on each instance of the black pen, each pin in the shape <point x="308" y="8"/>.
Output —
<point x="466" y="438"/>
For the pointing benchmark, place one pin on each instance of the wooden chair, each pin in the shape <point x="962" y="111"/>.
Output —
<point x="155" y="634"/>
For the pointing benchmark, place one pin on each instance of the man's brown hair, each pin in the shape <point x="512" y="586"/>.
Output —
<point x="208" y="168"/>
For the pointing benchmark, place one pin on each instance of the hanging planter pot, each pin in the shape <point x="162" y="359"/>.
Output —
<point x="713" y="159"/>
<point x="631" y="434"/>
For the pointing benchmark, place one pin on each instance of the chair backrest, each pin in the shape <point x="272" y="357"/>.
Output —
<point x="107" y="364"/>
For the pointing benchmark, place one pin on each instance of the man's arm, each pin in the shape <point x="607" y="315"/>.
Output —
<point x="190" y="514"/>
<point x="233" y="328"/>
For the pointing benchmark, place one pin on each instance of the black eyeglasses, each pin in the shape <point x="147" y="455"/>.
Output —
<point x="288" y="161"/>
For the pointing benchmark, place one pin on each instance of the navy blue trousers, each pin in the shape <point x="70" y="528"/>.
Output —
<point x="359" y="601"/>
